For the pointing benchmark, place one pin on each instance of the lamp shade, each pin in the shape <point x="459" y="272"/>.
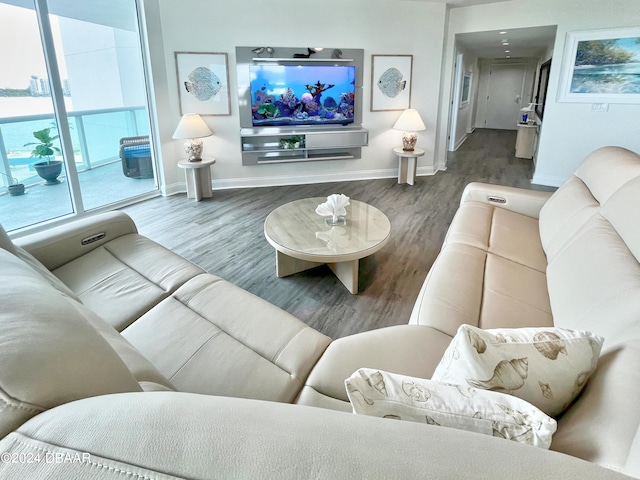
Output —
<point x="410" y="121"/>
<point x="191" y="126"/>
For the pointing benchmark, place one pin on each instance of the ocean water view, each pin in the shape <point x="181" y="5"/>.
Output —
<point x="607" y="79"/>
<point x="20" y="117"/>
<point x="15" y="133"/>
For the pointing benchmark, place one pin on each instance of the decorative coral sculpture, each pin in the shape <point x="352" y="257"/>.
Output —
<point x="334" y="207"/>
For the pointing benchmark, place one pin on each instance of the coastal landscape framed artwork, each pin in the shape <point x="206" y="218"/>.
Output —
<point x="391" y="82"/>
<point x="601" y="66"/>
<point x="203" y="83"/>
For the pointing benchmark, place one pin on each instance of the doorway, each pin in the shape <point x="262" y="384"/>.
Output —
<point x="505" y="91"/>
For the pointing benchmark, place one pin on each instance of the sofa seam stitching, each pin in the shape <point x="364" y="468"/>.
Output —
<point x="194" y="354"/>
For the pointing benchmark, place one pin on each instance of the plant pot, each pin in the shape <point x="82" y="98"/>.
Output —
<point x="16" y="189"/>
<point x="49" y="171"/>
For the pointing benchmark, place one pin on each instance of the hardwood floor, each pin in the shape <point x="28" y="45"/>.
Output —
<point x="224" y="235"/>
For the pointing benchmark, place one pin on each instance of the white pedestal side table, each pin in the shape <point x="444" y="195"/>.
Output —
<point x="407" y="164"/>
<point x="198" y="177"/>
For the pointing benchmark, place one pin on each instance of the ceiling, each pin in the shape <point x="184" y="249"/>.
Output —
<point x="463" y="3"/>
<point x="523" y="42"/>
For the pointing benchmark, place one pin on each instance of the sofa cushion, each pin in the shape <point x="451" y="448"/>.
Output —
<point x="468" y="285"/>
<point x="49" y="353"/>
<point x="604" y="420"/>
<point x="413" y="350"/>
<point x="215" y="338"/>
<point x="500" y="232"/>
<point x="388" y="395"/>
<point x="544" y="366"/>
<point x="146" y="374"/>
<point x="124" y="278"/>
<point x="5" y="241"/>
<point x="594" y="283"/>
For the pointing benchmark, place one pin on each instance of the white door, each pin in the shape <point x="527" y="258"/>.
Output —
<point x="504" y="96"/>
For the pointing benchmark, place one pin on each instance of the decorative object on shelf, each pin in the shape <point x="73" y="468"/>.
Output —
<point x="203" y="83"/>
<point x="47" y="168"/>
<point x="15" y="188"/>
<point x="334" y="207"/>
<point x="310" y="51"/>
<point x="297" y="141"/>
<point x="600" y="66"/>
<point x="410" y="122"/>
<point x="390" y="82"/>
<point x="337" y="53"/>
<point x="192" y="127"/>
<point x="526" y="114"/>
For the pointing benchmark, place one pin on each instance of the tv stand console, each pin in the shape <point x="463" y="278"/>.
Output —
<point x="286" y="141"/>
<point x="279" y="145"/>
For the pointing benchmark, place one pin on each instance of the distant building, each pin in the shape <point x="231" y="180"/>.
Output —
<point x="39" y="87"/>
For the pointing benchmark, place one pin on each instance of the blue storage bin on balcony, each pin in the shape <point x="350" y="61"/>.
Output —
<point x="135" y="153"/>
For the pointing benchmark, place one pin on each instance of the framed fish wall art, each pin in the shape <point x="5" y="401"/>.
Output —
<point x="391" y="82"/>
<point x="203" y="83"/>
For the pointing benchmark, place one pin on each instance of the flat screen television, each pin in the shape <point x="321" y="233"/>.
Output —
<point x="294" y="95"/>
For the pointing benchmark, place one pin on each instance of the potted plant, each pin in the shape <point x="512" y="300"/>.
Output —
<point x="15" y="188"/>
<point x="44" y="149"/>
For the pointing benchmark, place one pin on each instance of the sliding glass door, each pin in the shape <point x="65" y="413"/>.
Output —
<point x="73" y="95"/>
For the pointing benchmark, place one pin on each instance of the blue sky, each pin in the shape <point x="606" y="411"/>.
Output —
<point x="631" y="45"/>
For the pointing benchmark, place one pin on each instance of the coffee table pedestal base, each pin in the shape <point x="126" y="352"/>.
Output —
<point x="347" y="272"/>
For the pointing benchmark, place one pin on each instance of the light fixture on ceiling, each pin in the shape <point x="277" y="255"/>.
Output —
<point x="508" y="56"/>
<point x="507" y="51"/>
<point x="502" y="32"/>
<point x="504" y="44"/>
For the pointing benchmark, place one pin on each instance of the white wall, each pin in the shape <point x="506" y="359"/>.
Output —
<point x="377" y="26"/>
<point x="463" y="115"/>
<point x="569" y="131"/>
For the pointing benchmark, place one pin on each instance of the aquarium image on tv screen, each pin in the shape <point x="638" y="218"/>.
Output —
<point x="292" y="95"/>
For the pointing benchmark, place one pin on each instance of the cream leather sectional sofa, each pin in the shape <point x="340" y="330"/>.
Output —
<point x="121" y="359"/>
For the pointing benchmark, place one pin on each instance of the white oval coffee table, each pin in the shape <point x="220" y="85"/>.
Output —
<point x="303" y="240"/>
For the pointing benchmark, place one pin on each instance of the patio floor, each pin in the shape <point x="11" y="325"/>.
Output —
<point x="100" y="186"/>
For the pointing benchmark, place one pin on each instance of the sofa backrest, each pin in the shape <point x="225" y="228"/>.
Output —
<point x="591" y="235"/>
<point x="49" y="353"/>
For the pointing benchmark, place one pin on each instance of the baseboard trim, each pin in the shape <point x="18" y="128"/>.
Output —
<point x="459" y="143"/>
<point x="279" y="181"/>
<point x="223" y="184"/>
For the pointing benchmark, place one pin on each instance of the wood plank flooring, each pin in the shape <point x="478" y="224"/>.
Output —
<point x="224" y="235"/>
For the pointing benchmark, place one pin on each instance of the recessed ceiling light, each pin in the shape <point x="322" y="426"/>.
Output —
<point x="508" y="56"/>
<point x="507" y="51"/>
<point x="504" y="44"/>
<point x="502" y="32"/>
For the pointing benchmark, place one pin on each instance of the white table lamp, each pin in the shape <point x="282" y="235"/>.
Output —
<point x="192" y="127"/>
<point x="410" y="122"/>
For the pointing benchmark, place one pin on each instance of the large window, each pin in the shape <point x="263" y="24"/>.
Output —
<point x="74" y="121"/>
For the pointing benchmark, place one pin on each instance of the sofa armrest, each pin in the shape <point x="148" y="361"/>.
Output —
<point x="519" y="200"/>
<point x="134" y="435"/>
<point x="60" y="245"/>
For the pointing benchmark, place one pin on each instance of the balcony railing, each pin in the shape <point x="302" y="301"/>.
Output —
<point x="95" y="136"/>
